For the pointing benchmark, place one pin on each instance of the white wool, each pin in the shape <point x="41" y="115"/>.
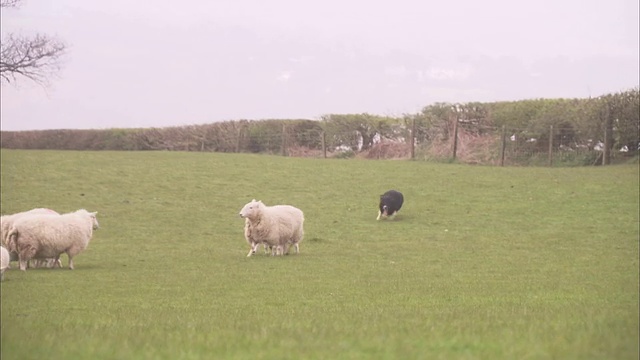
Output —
<point x="278" y="226"/>
<point x="6" y="221"/>
<point x="4" y="261"/>
<point x="48" y="236"/>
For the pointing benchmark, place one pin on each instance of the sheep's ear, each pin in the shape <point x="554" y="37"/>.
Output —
<point x="94" y="213"/>
<point x="254" y="200"/>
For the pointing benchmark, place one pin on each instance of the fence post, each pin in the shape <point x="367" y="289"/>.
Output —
<point x="324" y="145"/>
<point x="605" y="149"/>
<point x="606" y="154"/>
<point x="504" y="145"/>
<point x="413" y="138"/>
<point x="238" y="139"/>
<point x="455" y="138"/>
<point x="284" y="140"/>
<point x="551" y="145"/>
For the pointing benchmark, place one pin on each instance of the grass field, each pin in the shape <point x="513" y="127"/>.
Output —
<point x="481" y="262"/>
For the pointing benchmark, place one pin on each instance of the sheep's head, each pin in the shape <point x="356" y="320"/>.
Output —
<point x="94" y="220"/>
<point x="251" y="210"/>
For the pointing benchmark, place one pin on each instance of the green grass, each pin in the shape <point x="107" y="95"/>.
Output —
<point x="481" y="262"/>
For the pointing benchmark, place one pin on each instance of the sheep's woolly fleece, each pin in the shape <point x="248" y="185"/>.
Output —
<point x="47" y="236"/>
<point x="278" y="226"/>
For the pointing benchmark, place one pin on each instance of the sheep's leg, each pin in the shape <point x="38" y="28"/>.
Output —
<point x="24" y="255"/>
<point x="379" y="213"/>
<point x="70" y="260"/>
<point x="393" y="215"/>
<point x="254" y="248"/>
<point x="297" y="248"/>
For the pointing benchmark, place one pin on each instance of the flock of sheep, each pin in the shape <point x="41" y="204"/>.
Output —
<point x="42" y="235"/>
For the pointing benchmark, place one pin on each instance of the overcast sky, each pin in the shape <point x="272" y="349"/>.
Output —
<point x="164" y="63"/>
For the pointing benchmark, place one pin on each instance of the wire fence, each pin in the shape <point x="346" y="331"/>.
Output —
<point x="455" y="141"/>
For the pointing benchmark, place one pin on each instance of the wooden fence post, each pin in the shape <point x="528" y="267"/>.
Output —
<point x="324" y="144"/>
<point x="284" y="140"/>
<point x="455" y="138"/>
<point x="238" y="139"/>
<point x="504" y="145"/>
<point x="606" y="154"/>
<point x="551" y="145"/>
<point x="413" y="138"/>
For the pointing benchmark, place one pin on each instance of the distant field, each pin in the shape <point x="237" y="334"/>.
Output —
<point x="481" y="262"/>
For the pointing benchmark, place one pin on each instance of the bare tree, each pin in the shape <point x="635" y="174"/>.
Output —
<point x="9" y="3"/>
<point x="35" y="58"/>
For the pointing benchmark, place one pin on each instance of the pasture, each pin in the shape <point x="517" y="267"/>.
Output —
<point x="480" y="263"/>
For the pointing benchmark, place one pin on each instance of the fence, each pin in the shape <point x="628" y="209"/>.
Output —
<point x="498" y="146"/>
<point x="454" y="141"/>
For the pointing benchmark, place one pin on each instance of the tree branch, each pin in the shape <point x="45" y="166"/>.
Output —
<point x="34" y="58"/>
<point x="9" y="3"/>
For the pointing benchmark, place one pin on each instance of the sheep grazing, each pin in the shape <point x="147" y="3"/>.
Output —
<point x="277" y="227"/>
<point x="390" y="204"/>
<point x="4" y="261"/>
<point x="47" y="236"/>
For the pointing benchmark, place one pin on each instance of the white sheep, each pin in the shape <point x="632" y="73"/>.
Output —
<point x="4" y="261"/>
<point x="6" y="221"/>
<point x="278" y="227"/>
<point x="48" y="236"/>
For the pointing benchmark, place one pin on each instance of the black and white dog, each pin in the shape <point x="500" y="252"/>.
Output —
<point x="390" y="203"/>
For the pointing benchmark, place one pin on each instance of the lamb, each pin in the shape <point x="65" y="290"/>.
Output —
<point x="278" y="227"/>
<point x="48" y="236"/>
<point x="254" y="243"/>
<point x="4" y="261"/>
<point x="45" y="263"/>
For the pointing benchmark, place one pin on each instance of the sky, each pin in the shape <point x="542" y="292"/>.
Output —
<point x="134" y="64"/>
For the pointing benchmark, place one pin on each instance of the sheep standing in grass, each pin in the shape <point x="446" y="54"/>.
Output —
<point x="4" y="261"/>
<point x="278" y="226"/>
<point x="48" y="236"/>
<point x="6" y="222"/>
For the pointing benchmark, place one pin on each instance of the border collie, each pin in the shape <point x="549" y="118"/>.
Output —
<point x="390" y="203"/>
